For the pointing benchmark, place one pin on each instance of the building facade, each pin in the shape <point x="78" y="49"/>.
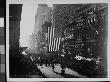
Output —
<point x="83" y="26"/>
<point x="42" y="22"/>
<point x="14" y="36"/>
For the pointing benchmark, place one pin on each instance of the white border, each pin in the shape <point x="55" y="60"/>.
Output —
<point x="7" y="41"/>
<point x="53" y="2"/>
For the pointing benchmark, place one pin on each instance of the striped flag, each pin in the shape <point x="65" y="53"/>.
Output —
<point x="54" y="43"/>
<point x="51" y="38"/>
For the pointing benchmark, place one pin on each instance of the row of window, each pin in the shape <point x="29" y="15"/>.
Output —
<point x="81" y="48"/>
<point x="85" y="28"/>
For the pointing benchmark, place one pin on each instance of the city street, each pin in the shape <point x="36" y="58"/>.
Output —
<point x="48" y="72"/>
<point x="56" y="73"/>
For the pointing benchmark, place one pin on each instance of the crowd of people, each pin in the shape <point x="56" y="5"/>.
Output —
<point x="84" y="67"/>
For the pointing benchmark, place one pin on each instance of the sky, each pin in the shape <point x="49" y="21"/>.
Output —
<point x="27" y="23"/>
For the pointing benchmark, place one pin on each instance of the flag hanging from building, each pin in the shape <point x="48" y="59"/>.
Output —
<point x="53" y="43"/>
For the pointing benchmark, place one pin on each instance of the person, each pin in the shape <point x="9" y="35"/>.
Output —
<point x="62" y="65"/>
<point x="53" y="66"/>
<point x="63" y="70"/>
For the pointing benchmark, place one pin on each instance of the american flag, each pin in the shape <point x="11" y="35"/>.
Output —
<point x="54" y="43"/>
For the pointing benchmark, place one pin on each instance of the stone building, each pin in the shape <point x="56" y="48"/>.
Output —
<point x="42" y="17"/>
<point x="14" y="36"/>
<point x="82" y="27"/>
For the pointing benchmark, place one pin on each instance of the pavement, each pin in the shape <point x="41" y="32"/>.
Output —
<point x="68" y="71"/>
<point x="48" y="72"/>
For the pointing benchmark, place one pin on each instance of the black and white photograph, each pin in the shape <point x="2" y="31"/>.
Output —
<point x="58" y="40"/>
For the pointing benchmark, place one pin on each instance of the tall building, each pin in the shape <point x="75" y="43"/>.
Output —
<point x="43" y="15"/>
<point x="42" y="20"/>
<point x="14" y="26"/>
<point x="45" y="30"/>
<point x="82" y="27"/>
<point x="14" y="35"/>
<point x="31" y="42"/>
